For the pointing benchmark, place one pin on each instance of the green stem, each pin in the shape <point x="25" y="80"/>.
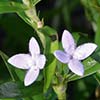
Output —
<point x="60" y="90"/>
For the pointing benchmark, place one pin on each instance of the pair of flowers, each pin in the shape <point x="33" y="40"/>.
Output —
<point x="34" y="61"/>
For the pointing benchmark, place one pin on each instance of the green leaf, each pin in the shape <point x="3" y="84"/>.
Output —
<point x="34" y="89"/>
<point x="38" y="97"/>
<point x="76" y="36"/>
<point x="5" y="58"/>
<point x="47" y="44"/>
<point x="9" y="90"/>
<point x="97" y="41"/>
<point x="31" y="3"/>
<point x="50" y="68"/>
<point x="97" y="77"/>
<point x="46" y="30"/>
<point x="54" y="46"/>
<point x="16" y="90"/>
<point x="8" y="7"/>
<point x="8" y="99"/>
<point x="47" y="35"/>
<point x="34" y="2"/>
<point x="49" y="72"/>
<point x="24" y="17"/>
<point x="16" y="74"/>
<point x="90" y="66"/>
<point x="20" y="73"/>
<point x="92" y="11"/>
<point x="50" y="46"/>
<point x="97" y="35"/>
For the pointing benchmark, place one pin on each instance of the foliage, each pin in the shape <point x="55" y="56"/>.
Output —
<point x="23" y="23"/>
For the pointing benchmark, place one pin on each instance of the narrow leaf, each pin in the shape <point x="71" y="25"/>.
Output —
<point x="34" y="2"/>
<point x="97" y="41"/>
<point x="97" y="35"/>
<point x="6" y="7"/>
<point x="49" y="72"/>
<point x="24" y="17"/>
<point x="5" y="58"/>
<point x="50" y="69"/>
<point x="91" y="67"/>
<point x="15" y="74"/>
<point x="48" y="31"/>
<point x="97" y="77"/>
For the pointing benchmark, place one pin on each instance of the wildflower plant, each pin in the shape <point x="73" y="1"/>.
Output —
<point x="45" y="69"/>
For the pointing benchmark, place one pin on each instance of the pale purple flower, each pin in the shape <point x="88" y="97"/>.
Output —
<point x="72" y="54"/>
<point x="32" y="62"/>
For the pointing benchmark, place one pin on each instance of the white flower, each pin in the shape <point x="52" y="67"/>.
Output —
<point x="73" y="55"/>
<point x="32" y="62"/>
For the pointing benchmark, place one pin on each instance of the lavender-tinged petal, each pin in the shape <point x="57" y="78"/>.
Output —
<point x="34" y="47"/>
<point x="68" y="42"/>
<point x="20" y="61"/>
<point x="62" y="56"/>
<point x="85" y="50"/>
<point x="76" y="67"/>
<point x="31" y="76"/>
<point x="40" y="62"/>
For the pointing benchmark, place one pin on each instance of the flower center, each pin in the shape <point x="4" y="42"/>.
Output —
<point x="71" y="57"/>
<point x="31" y="63"/>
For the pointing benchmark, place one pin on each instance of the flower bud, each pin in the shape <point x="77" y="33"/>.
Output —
<point x="40" y="24"/>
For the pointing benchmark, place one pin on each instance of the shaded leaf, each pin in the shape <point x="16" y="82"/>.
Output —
<point x="15" y="74"/>
<point x="9" y="90"/>
<point x="97" y="77"/>
<point x="16" y="90"/>
<point x="5" y="58"/>
<point x="38" y="97"/>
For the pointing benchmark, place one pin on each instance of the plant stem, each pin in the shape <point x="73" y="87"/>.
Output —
<point x="60" y="90"/>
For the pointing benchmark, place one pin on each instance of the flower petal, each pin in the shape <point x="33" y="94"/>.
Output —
<point x="62" y="56"/>
<point x="85" y="50"/>
<point x="20" y="61"/>
<point x="41" y="60"/>
<point x="34" y="47"/>
<point x="31" y="76"/>
<point x="68" y="42"/>
<point x="76" y="67"/>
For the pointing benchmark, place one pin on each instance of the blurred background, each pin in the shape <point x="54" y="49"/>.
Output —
<point x="73" y="15"/>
